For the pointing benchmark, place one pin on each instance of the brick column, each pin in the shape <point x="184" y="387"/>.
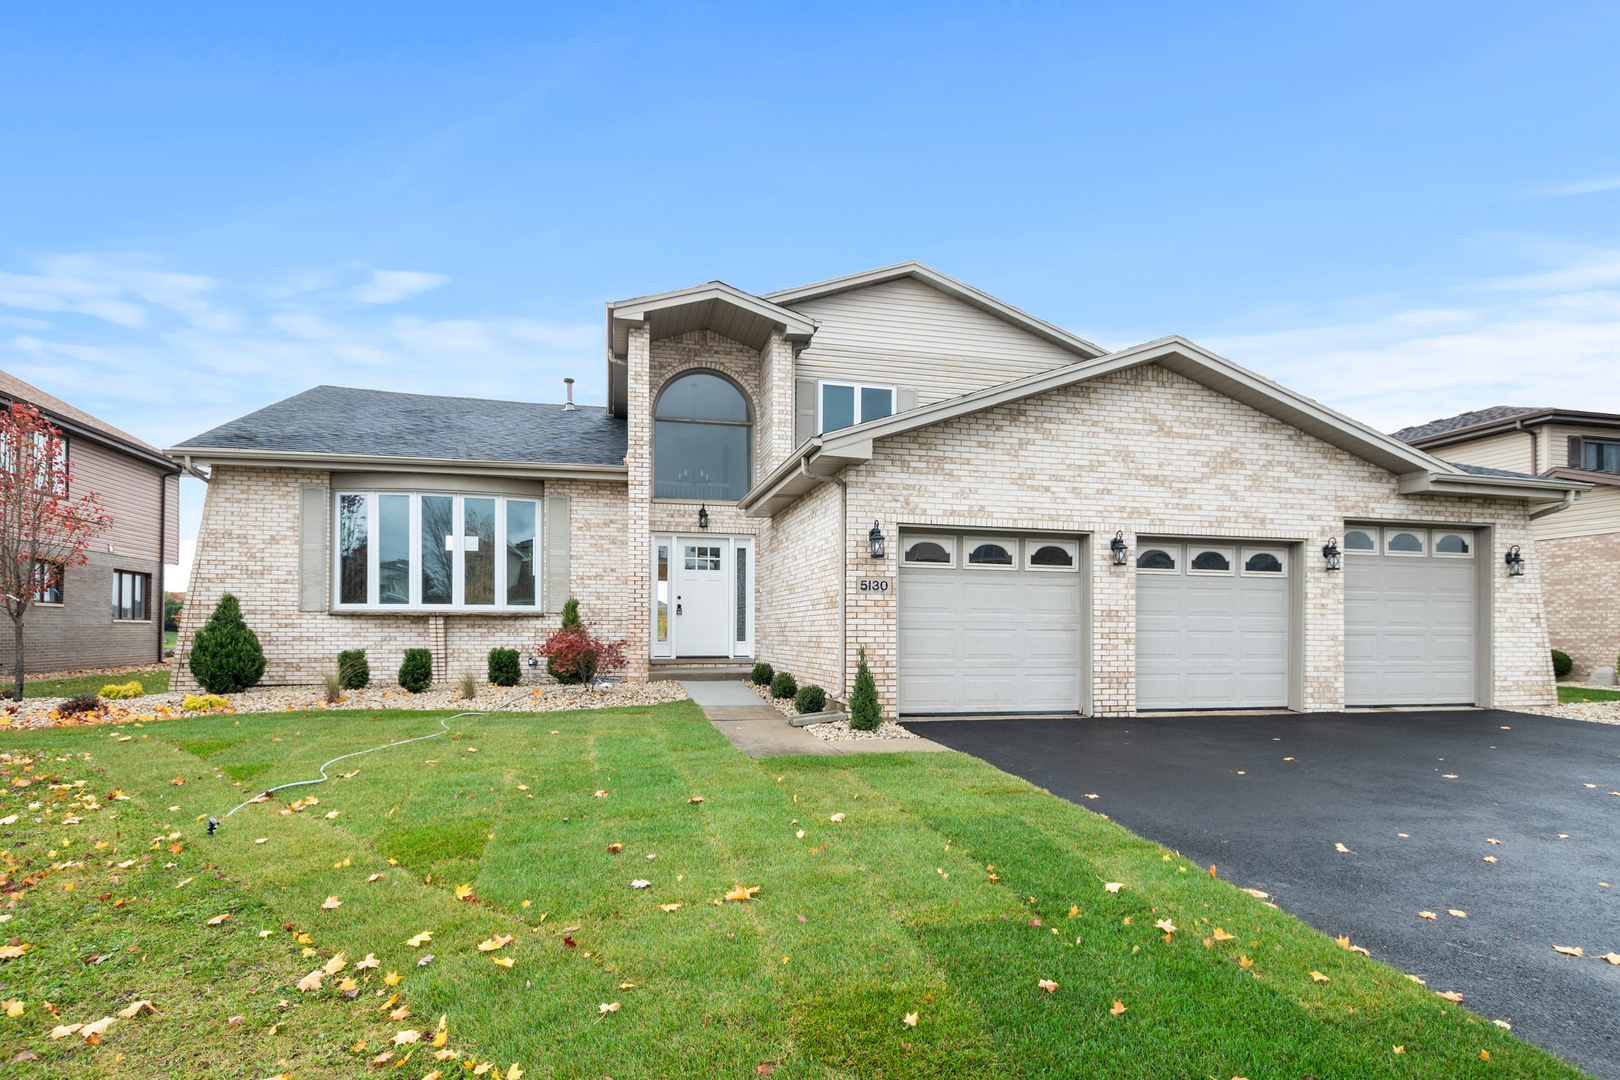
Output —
<point x="638" y="532"/>
<point x="1113" y="629"/>
<point x="775" y="422"/>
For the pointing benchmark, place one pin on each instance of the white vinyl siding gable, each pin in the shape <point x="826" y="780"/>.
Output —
<point x="907" y="334"/>
<point x="1595" y="513"/>
<point x="1508" y="450"/>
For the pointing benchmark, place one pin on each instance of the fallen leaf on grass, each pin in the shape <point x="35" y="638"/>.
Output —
<point x="1257" y="894"/>
<point x="1047" y="984"/>
<point x="743" y="892"/>
<point x="1166" y="925"/>
<point x="335" y="965"/>
<point x="615" y="848"/>
<point x="496" y="942"/>
<point x="312" y="981"/>
<point x="601" y="793"/>
<point x="400" y="1013"/>
<point x="417" y="941"/>
<point x="642" y="883"/>
<point x="464" y="892"/>
<point x="695" y="799"/>
<point x="62" y="1031"/>
<point x="374" y="877"/>
<point x="1117" y="1008"/>
<point x="409" y="1035"/>
<point x="261" y="839"/>
<point x="265" y="933"/>
<point x="1568" y="950"/>
<point x="607" y="1007"/>
<point x="910" y="1019"/>
<point x="1427" y="915"/>
<point x="1450" y="995"/>
<point x="386" y="1055"/>
<point x="1503" y="1024"/>
<point x="1245" y="963"/>
<point x="1398" y="1049"/>
<point x="1222" y="935"/>
<point x="11" y="952"/>
<point x="331" y="902"/>
<point x="217" y="919"/>
<point x="12" y="1007"/>
<point x="1317" y="976"/>
<point x="425" y="961"/>
<point x="836" y="817"/>
<point x="131" y="1011"/>
<point x="669" y="907"/>
<point x="392" y="978"/>
<point x="1113" y="886"/>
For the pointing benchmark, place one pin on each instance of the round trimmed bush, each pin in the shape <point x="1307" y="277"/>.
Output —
<point x="225" y="654"/>
<point x="810" y="699"/>
<point x="1562" y="664"/>
<point x="763" y="674"/>
<point x="416" y="673"/>
<point x="783" y="685"/>
<point x="354" y="671"/>
<point x="504" y="669"/>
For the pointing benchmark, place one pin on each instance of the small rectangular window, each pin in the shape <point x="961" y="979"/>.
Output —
<point x="393" y="549"/>
<point x="847" y="404"/>
<point x="1602" y="456"/>
<point x="742" y="594"/>
<point x="438" y="549"/>
<point x="353" y="527"/>
<point x="129" y="595"/>
<point x="47" y="583"/>
<point x="663" y="592"/>
<point x="478" y="537"/>
<point x="519" y="553"/>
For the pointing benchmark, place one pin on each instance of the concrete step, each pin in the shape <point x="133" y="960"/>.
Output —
<point x="705" y="670"/>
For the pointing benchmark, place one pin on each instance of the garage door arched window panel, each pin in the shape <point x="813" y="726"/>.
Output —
<point x="1049" y="555"/>
<point x="1265" y="562"/>
<point x="1158" y="560"/>
<point x="1361" y="541"/>
<point x="703" y="433"/>
<point x="986" y="554"/>
<point x="1453" y="545"/>
<point x="1413" y="543"/>
<point x="929" y="551"/>
<point x="1210" y="560"/>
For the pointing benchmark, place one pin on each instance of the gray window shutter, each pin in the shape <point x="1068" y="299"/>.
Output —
<point x="804" y="410"/>
<point x="556" y="552"/>
<point x="906" y="399"/>
<point x="312" y="548"/>
<point x="1577" y="452"/>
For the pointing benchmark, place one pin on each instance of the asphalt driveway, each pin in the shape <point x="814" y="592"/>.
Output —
<point x="1266" y="798"/>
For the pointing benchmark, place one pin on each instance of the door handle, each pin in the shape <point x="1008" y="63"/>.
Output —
<point x="677" y="609"/>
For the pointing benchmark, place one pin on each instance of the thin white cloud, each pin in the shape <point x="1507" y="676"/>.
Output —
<point x="1581" y="187"/>
<point x="392" y="286"/>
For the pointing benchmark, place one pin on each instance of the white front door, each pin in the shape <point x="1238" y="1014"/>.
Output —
<point x="702" y="596"/>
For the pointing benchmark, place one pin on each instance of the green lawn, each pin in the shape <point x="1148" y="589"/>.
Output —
<point x="170" y="637"/>
<point x="1567" y="694"/>
<point x="155" y="682"/>
<point x="892" y="911"/>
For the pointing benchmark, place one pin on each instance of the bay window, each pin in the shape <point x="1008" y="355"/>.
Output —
<point x="418" y="550"/>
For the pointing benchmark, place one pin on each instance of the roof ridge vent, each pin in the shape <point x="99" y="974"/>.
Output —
<point x="569" y="405"/>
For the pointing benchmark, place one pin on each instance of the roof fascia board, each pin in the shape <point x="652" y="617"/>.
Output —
<point x="622" y="314"/>
<point x="950" y="286"/>
<point x="295" y="459"/>
<point x="1597" y="479"/>
<point x="1493" y="487"/>
<point x="74" y="429"/>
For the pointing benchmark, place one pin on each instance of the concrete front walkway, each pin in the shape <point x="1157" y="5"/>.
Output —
<point x="758" y="730"/>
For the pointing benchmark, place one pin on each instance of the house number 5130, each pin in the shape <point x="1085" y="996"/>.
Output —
<point x="880" y="584"/>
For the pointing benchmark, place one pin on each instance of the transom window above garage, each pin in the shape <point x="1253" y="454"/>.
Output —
<point x="1158" y="559"/>
<point x="1209" y="560"/>
<point x="929" y="551"/>
<point x="992" y="554"/>
<point x="1408" y="542"/>
<point x="1051" y="555"/>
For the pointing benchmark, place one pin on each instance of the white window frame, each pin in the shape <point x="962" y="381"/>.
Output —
<point x="1421" y="534"/>
<point x="894" y="400"/>
<point x="1032" y="544"/>
<point x="1195" y="550"/>
<point x="458" y="518"/>
<point x="971" y="542"/>
<point x="1177" y="555"/>
<point x="1280" y="554"/>
<point x="1468" y="537"/>
<point x="1368" y="531"/>
<point x="947" y="542"/>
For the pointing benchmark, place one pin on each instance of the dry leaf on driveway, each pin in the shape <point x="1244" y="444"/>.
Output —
<point x="1492" y="840"/>
<point x="1427" y="915"/>
<point x="1568" y="950"/>
<point x="1490" y="858"/>
<point x="1456" y="912"/>
<point x="1257" y="894"/>
<point x="1341" y="849"/>
<point x="1611" y="957"/>
<point x="1450" y="995"/>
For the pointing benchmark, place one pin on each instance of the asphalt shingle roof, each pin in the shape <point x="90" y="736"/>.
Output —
<point x="344" y="420"/>
<point x="1480" y="470"/>
<point x="1464" y="420"/>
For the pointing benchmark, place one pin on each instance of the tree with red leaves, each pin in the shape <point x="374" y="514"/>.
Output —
<point x="576" y="654"/>
<point x="43" y="529"/>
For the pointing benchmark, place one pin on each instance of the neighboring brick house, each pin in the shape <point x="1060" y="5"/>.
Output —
<point x="1579" y="544"/>
<point x="1062" y="529"/>
<point x="109" y="612"/>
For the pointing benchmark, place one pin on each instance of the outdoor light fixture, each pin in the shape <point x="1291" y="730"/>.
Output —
<point x="1117" y="546"/>
<point x="876" y="537"/>
<point x="1515" y="562"/>
<point x="703" y="516"/>
<point x="1330" y="552"/>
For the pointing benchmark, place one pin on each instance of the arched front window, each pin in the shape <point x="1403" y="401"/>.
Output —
<point x="702" y="434"/>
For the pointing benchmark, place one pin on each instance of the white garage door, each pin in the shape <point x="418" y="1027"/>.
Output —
<point x="1410" y="609"/>
<point x="989" y="624"/>
<point x="1211" y="626"/>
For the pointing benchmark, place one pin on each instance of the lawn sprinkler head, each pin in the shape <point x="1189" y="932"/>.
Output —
<point x="213" y="823"/>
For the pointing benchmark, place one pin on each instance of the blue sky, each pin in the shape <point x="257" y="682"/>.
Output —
<point x="1402" y="210"/>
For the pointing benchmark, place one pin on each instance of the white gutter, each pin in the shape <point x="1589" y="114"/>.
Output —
<point x="1569" y="500"/>
<point x="322" y="462"/>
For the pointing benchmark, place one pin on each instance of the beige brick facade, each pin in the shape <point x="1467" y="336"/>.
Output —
<point x="1581" y="584"/>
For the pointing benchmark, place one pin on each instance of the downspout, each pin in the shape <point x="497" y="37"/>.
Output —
<point x="1569" y="500"/>
<point x="198" y="473"/>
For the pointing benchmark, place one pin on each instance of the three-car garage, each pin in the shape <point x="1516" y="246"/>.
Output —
<point x="994" y="624"/>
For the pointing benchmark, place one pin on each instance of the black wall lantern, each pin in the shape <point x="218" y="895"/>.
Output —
<point x="703" y="516"/>
<point x="1117" y="546"/>
<point x="1515" y="562"/>
<point x="876" y="537"/>
<point x="1330" y="552"/>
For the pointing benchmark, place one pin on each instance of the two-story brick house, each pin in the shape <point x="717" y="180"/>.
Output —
<point x="1062" y="529"/>
<point x="108" y="612"/>
<point x="1579" y="545"/>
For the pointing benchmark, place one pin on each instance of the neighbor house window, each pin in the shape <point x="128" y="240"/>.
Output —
<point x="847" y="404"/>
<point x="47" y="583"/>
<point x="404" y="549"/>
<point x="1601" y="456"/>
<point x="129" y="595"/>
<point x="702" y="438"/>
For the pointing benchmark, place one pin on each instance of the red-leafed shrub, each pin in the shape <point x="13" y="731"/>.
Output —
<point x="576" y="655"/>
